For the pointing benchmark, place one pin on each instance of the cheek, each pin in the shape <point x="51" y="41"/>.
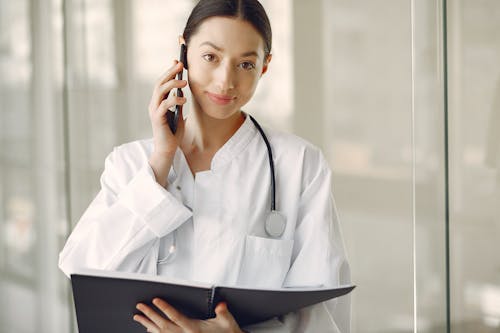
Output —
<point x="198" y="81"/>
<point x="198" y="75"/>
<point x="247" y="86"/>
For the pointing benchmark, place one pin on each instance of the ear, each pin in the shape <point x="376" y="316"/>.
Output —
<point x="181" y="40"/>
<point x="266" y="64"/>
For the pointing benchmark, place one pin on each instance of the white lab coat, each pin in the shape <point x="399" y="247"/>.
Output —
<point x="218" y="217"/>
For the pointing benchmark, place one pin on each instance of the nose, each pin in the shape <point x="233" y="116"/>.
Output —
<point x="225" y="78"/>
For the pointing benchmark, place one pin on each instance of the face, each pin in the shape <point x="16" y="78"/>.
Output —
<point x="226" y="60"/>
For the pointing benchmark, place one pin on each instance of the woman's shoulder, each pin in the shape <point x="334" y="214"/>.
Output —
<point x="291" y="146"/>
<point x="125" y="161"/>
<point x="130" y="155"/>
<point x="298" y="158"/>
<point x="139" y="147"/>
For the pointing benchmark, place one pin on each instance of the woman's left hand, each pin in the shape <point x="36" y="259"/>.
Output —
<point x="177" y="322"/>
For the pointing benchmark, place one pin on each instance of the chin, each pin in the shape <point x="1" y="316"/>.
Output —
<point x="220" y="113"/>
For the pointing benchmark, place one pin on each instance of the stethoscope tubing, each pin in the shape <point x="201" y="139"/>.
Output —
<point x="271" y="162"/>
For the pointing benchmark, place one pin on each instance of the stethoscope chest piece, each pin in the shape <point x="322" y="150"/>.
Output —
<point x="275" y="224"/>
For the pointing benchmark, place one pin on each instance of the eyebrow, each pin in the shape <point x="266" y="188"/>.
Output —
<point x="245" y="54"/>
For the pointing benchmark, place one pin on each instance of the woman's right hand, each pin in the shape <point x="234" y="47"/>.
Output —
<point x="165" y="142"/>
<point x="162" y="100"/>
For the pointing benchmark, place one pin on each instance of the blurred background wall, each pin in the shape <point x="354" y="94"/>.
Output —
<point x="411" y="135"/>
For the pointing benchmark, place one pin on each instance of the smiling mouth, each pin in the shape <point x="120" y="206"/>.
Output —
<point x="220" y="99"/>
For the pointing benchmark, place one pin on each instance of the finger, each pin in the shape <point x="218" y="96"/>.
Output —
<point x="170" y="73"/>
<point x="153" y="316"/>
<point x="166" y="87"/>
<point x="160" y="92"/>
<point x="172" y="314"/>
<point x="170" y="99"/>
<point x="222" y="312"/>
<point x="164" y="107"/>
<point x="148" y="324"/>
<point x="167" y="104"/>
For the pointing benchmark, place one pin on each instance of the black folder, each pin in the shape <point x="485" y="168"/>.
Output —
<point x="105" y="301"/>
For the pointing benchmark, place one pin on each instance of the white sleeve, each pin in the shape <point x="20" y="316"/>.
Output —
<point x="318" y="259"/>
<point x="129" y="215"/>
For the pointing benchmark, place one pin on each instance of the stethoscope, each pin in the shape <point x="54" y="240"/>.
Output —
<point x="275" y="222"/>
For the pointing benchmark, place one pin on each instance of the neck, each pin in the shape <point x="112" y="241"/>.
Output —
<point x="206" y="134"/>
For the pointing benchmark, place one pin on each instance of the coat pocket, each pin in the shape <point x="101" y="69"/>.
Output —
<point x="265" y="262"/>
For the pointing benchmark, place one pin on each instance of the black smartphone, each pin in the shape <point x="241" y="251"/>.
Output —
<point x="173" y="117"/>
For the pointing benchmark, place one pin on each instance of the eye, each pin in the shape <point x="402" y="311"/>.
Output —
<point x="247" y="65"/>
<point x="209" y="57"/>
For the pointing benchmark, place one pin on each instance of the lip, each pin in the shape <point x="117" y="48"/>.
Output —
<point x="220" y="99"/>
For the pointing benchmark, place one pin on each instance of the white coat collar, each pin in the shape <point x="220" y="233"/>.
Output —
<point x="236" y="144"/>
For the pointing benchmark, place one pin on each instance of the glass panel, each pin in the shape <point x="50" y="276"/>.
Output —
<point x="32" y="215"/>
<point x="368" y="142"/>
<point x="429" y="158"/>
<point x="474" y="97"/>
<point x="17" y="188"/>
<point x="93" y="87"/>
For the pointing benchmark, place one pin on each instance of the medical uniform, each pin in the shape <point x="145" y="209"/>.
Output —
<point x="217" y="220"/>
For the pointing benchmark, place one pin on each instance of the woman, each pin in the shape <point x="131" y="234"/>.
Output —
<point x="205" y="191"/>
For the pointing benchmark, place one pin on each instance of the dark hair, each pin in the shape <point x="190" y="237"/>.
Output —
<point x="246" y="10"/>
